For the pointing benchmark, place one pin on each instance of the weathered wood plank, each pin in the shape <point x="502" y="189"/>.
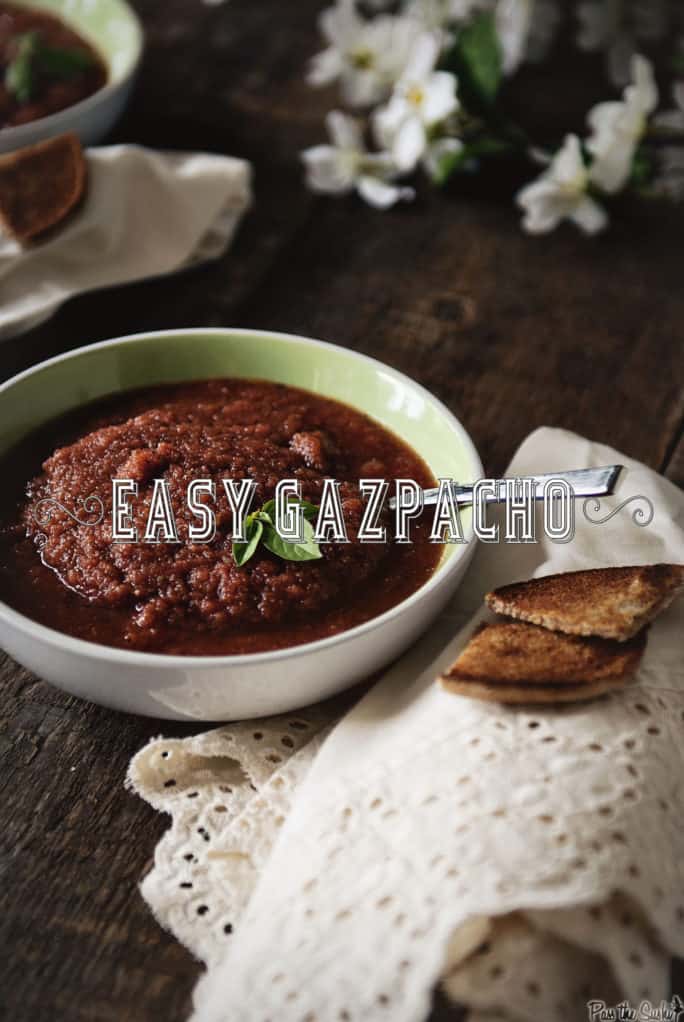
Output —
<point x="511" y="332"/>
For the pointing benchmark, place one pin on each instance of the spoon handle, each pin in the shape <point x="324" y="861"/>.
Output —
<point x="585" y="482"/>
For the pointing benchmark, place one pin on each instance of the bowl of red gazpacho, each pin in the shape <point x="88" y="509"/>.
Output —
<point x="129" y="465"/>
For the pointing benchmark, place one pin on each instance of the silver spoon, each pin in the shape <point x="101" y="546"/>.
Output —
<point x="585" y="482"/>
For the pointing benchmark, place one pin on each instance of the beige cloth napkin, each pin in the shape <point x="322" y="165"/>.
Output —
<point x="527" y="859"/>
<point x="145" y="214"/>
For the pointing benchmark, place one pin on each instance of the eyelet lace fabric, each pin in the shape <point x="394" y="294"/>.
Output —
<point x="528" y="860"/>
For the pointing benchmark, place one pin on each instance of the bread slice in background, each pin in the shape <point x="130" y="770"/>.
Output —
<point x="512" y="661"/>
<point x="614" y="603"/>
<point x="40" y="186"/>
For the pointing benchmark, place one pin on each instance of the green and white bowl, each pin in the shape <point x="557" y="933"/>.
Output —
<point x="114" y="29"/>
<point x="253" y="685"/>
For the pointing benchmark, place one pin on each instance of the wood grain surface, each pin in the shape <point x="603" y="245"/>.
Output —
<point x="511" y="332"/>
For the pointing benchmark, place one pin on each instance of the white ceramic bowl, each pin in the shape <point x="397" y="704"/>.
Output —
<point x="114" y="29"/>
<point x="254" y="685"/>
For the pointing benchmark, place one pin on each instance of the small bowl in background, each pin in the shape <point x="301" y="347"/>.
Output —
<point x="114" y="30"/>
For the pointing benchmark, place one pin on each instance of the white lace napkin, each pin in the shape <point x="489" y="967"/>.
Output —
<point x="145" y="214"/>
<point x="529" y="859"/>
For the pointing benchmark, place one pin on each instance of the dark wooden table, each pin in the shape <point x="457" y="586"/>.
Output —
<point x="510" y="332"/>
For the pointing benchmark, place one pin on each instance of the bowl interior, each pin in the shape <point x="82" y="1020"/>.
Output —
<point x="109" y="25"/>
<point x="392" y="399"/>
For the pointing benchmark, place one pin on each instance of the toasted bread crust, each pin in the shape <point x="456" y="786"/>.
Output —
<point x="40" y="185"/>
<point x="520" y="695"/>
<point x="521" y="654"/>
<point x="614" y="603"/>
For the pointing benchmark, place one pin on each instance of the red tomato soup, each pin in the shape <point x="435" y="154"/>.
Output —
<point x="187" y="597"/>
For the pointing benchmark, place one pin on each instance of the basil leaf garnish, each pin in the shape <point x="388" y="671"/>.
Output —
<point x="253" y="532"/>
<point x="19" y="74"/>
<point x="33" y="59"/>
<point x="310" y="510"/>
<point x="260" y="528"/>
<point x="308" y="550"/>
<point x="267" y="512"/>
<point x="63" y="63"/>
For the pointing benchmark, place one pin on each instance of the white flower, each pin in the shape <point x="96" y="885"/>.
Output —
<point x="513" y="18"/>
<point x="422" y="99"/>
<point x="367" y="56"/>
<point x="673" y="120"/>
<point x="617" y="128"/>
<point x="526" y="29"/>
<point x="346" y="166"/>
<point x="560" y="193"/>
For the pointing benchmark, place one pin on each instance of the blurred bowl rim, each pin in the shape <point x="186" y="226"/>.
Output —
<point x="161" y="661"/>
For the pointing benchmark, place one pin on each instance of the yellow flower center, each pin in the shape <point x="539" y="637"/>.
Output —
<point x="362" y="59"/>
<point x="415" y="95"/>
<point x="572" y="187"/>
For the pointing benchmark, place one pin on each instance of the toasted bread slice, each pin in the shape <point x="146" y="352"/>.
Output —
<point x="40" y="185"/>
<point x="614" y="603"/>
<point x="519" y="654"/>
<point x="520" y="695"/>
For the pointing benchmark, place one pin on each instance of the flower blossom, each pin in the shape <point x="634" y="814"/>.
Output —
<point x="422" y="100"/>
<point x="526" y="29"/>
<point x="345" y="166"/>
<point x="560" y="193"/>
<point x="366" y="55"/>
<point x="617" y="128"/>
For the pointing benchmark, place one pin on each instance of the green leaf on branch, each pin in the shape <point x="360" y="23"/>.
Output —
<point x="476" y="60"/>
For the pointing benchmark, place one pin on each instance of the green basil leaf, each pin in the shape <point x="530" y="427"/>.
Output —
<point x="310" y="510"/>
<point x="308" y="550"/>
<point x="63" y="63"/>
<point x="242" y="552"/>
<point x="268" y="511"/>
<point x="19" y="74"/>
<point x="476" y="60"/>
<point x="260" y="528"/>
